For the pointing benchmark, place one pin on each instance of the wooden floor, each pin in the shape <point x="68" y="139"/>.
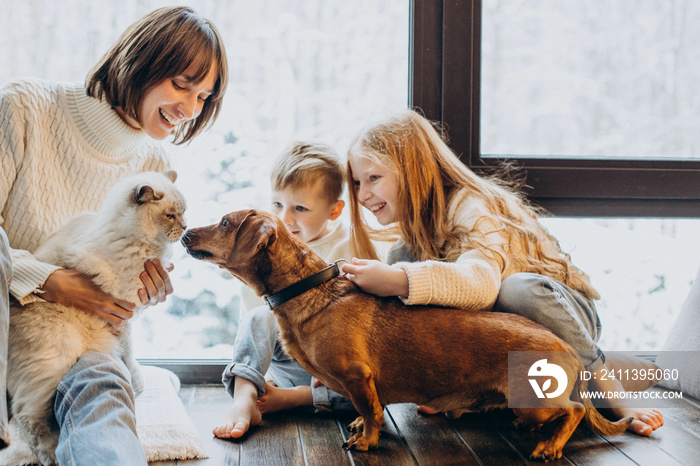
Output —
<point x="300" y="438"/>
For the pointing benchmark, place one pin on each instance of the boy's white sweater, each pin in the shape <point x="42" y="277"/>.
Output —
<point x="61" y="152"/>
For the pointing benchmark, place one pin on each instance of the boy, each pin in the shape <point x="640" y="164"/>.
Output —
<point x="307" y="183"/>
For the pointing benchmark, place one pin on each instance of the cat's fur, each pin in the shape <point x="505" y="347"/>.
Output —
<point x="139" y="219"/>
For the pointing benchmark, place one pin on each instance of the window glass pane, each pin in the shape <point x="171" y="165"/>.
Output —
<point x="592" y="78"/>
<point x="302" y="69"/>
<point x="642" y="268"/>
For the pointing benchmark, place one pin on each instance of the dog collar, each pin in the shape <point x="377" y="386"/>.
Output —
<point x="302" y="286"/>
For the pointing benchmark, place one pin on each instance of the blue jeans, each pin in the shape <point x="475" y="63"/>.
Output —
<point x="566" y="312"/>
<point x="94" y="408"/>
<point x="257" y="351"/>
<point x="5" y="275"/>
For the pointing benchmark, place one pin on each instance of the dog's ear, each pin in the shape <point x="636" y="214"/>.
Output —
<point x="255" y="233"/>
<point x="145" y="193"/>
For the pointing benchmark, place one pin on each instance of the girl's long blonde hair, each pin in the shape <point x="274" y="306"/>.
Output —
<point x="429" y="174"/>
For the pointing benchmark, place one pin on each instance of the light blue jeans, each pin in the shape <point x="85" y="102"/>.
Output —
<point x="5" y="275"/>
<point x="94" y="404"/>
<point x="257" y="351"/>
<point x="566" y="312"/>
<point x="94" y="408"/>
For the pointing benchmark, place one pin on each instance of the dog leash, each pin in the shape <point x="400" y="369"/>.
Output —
<point x="302" y="286"/>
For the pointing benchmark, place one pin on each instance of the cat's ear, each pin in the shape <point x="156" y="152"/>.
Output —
<point x="171" y="174"/>
<point x="145" y="193"/>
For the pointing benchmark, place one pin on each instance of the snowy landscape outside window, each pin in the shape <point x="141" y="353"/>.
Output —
<point x="571" y="79"/>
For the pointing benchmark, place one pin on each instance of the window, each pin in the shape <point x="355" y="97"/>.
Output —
<point x="496" y="66"/>
<point x="315" y="69"/>
<point x="595" y="101"/>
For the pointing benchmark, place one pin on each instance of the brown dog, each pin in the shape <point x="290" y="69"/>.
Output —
<point x="377" y="351"/>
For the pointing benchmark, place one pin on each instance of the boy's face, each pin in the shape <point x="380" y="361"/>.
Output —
<point x="306" y="211"/>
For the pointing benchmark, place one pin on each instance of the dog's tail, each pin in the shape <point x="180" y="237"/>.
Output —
<point x="594" y="420"/>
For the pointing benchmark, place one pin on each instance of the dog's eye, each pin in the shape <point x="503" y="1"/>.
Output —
<point x="224" y="223"/>
<point x="170" y="216"/>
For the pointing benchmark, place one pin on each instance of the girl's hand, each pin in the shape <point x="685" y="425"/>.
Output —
<point x="377" y="278"/>
<point x="71" y="288"/>
<point x="156" y="282"/>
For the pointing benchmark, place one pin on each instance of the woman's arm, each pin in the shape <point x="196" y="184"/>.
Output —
<point x="71" y="288"/>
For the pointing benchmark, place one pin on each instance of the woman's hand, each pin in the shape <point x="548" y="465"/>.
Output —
<point x="71" y="288"/>
<point x="156" y="282"/>
<point x="377" y="278"/>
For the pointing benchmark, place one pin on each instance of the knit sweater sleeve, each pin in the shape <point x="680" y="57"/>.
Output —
<point x="28" y="274"/>
<point x="471" y="282"/>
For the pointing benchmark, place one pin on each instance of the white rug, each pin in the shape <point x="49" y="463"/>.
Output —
<point x="164" y="428"/>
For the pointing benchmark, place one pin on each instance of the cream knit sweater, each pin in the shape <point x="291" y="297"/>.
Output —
<point x="474" y="280"/>
<point x="61" y="151"/>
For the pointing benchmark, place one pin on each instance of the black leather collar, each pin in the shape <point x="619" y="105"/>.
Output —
<point x="302" y="286"/>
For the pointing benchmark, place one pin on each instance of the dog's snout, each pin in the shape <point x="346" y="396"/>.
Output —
<point x="187" y="238"/>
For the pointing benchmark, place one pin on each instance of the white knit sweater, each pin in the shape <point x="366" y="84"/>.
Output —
<point x="61" y="152"/>
<point x="474" y="280"/>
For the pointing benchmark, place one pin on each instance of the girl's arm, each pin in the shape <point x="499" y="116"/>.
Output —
<point x="377" y="278"/>
<point x="471" y="283"/>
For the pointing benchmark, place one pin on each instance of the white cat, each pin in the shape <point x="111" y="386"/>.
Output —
<point x="139" y="219"/>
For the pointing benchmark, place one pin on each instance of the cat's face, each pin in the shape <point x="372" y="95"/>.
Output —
<point x="164" y="210"/>
<point x="160" y="208"/>
<point x="170" y="219"/>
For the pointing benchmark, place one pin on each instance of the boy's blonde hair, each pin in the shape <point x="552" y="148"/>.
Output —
<point x="161" y="45"/>
<point x="305" y="163"/>
<point x="429" y="174"/>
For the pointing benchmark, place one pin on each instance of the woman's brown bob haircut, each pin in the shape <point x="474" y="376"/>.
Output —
<point x="162" y="45"/>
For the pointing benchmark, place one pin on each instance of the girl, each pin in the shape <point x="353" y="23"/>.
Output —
<point x="62" y="147"/>
<point x="466" y="242"/>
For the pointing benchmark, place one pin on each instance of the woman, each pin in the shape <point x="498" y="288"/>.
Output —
<point x="62" y="147"/>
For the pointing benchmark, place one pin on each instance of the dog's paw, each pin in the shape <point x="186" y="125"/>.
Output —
<point x="358" y="442"/>
<point x="545" y="451"/>
<point x="358" y="425"/>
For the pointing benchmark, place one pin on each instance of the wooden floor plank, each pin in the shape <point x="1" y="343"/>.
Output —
<point x="685" y="412"/>
<point x="322" y="440"/>
<point x="408" y="438"/>
<point x="642" y="450"/>
<point x="430" y="438"/>
<point x="206" y="405"/>
<point x="680" y="444"/>
<point x="586" y="448"/>
<point x="275" y="441"/>
<point x="522" y="439"/>
<point x="485" y="441"/>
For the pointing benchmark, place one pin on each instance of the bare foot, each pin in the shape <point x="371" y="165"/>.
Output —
<point x="243" y="414"/>
<point x="278" y="399"/>
<point x="646" y="420"/>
